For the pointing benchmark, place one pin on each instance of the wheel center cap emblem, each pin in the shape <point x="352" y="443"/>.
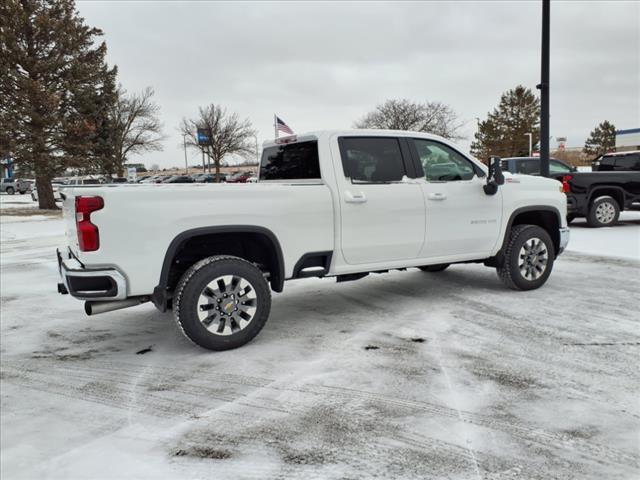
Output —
<point x="228" y="307"/>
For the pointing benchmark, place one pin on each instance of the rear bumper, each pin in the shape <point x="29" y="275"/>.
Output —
<point x="564" y="239"/>
<point x="88" y="283"/>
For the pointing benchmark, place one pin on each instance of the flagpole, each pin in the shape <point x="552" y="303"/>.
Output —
<point x="275" y="126"/>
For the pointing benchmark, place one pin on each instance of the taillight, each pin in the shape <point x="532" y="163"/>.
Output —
<point x="566" y="188"/>
<point x="88" y="234"/>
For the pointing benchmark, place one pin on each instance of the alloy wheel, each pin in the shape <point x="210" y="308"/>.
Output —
<point x="227" y="305"/>
<point x="533" y="259"/>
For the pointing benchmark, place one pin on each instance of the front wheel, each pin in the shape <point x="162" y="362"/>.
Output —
<point x="222" y="302"/>
<point x="10" y="190"/>
<point x="528" y="258"/>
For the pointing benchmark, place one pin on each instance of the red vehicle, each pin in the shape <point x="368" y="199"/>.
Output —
<point x="240" y="177"/>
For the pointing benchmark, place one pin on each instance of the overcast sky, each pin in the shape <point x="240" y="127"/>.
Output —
<point x="322" y="65"/>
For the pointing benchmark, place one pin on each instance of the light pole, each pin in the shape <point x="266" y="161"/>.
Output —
<point x="257" y="152"/>
<point x="544" y="89"/>
<point x="530" y="135"/>
<point x="186" y="165"/>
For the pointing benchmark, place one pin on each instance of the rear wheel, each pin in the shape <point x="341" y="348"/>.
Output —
<point x="222" y="302"/>
<point x="604" y="212"/>
<point x="528" y="258"/>
<point x="435" y="268"/>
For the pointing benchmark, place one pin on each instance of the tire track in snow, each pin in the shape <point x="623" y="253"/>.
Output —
<point x="115" y="394"/>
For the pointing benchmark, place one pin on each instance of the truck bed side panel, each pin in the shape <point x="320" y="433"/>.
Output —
<point x="139" y="222"/>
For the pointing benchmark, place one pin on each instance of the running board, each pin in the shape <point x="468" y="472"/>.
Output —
<point x="349" y="277"/>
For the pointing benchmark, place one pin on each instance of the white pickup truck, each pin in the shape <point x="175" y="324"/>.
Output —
<point x="327" y="204"/>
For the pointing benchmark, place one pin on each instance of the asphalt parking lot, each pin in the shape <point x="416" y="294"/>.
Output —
<point x="402" y="375"/>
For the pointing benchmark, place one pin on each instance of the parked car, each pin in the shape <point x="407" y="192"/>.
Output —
<point x="210" y="178"/>
<point x="179" y="179"/>
<point x="56" y="185"/>
<point x="617" y="162"/>
<point x="82" y="181"/>
<point x="13" y="185"/>
<point x="600" y="196"/>
<point x="119" y="180"/>
<point x="336" y="204"/>
<point x="240" y="177"/>
<point x="531" y="166"/>
<point x="162" y="178"/>
<point x="150" y="179"/>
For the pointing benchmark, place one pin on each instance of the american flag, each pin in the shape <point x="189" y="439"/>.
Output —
<point x="282" y="127"/>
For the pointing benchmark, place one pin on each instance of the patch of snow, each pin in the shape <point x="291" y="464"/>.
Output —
<point x="16" y="201"/>
<point x="622" y="240"/>
<point x="467" y="378"/>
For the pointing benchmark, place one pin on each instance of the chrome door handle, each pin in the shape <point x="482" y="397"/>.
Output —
<point x="436" y="196"/>
<point x="354" y="197"/>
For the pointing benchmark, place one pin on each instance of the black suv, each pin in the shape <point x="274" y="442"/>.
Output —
<point x="617" y="162"/>
<point x="179" y="179"/>
<point x="531" y="166"/>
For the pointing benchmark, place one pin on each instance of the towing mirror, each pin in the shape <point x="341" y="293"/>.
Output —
<point x="495" y="176"/>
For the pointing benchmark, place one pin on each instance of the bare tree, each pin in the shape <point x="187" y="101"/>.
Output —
<point x="137" y="128"/>
<point x="228" y="134"/>
<point x="402" y="114"/>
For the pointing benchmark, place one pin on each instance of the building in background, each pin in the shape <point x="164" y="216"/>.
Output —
<point x="138" y="166"/>
<point x="627" y="140"/>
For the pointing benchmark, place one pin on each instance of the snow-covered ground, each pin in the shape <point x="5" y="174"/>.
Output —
<point x="622" y="240"/>
<point x="401" y="375"/>
<point x="16" y="201"/>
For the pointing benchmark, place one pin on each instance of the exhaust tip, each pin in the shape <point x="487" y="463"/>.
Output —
<point x="96" y="307"/>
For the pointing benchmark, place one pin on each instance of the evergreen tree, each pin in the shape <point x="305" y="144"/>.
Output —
<point x="602" y="139"/>
<point x="54" y="87"/>
<point x="504" y="131"/>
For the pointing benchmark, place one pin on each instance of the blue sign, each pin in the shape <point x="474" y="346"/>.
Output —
<point x="204" y="137"/>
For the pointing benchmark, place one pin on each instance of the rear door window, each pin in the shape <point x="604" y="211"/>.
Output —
<point x="607" y="163"/>
<point x="293" y="161"/>
<point x="372" y="159"/>
<point x="528" y="167"/>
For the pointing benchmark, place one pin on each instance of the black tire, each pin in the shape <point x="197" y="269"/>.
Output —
<point x="22" y="192"/>
<point x="571" y="217"/>
<point x="434" y="268"/>
<point x="193" y="283"/>
<point x="510" y="272"/>
<point x="604" y="212"/>
<point x="10" y="191"/>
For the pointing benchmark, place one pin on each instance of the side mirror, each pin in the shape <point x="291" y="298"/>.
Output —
<point x="495" y="176"/>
